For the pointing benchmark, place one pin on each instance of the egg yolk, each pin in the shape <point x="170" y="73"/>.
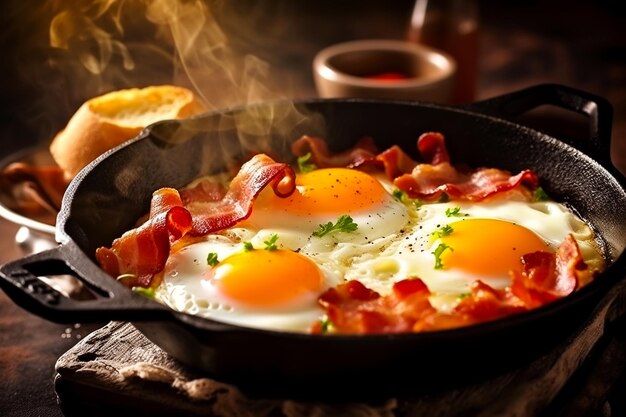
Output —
<point x="267" y="279"/>
<point x="328" y="190"/>
<point x="488" y="247"/>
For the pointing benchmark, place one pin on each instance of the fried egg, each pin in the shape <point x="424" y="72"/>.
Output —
<point x="269" y="270"/>
<point x="254" y="287"/>
<point x="323" y="196"/>
<point x="278" y="288"/>
<point x="454" y="244"/>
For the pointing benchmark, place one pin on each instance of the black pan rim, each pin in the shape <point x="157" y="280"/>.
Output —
<point x="614" y="268"/>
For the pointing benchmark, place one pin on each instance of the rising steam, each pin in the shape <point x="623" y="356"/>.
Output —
<point x="200" y="54"/>
<point x="108" y="40"/>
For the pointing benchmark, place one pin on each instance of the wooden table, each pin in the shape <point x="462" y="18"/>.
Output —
<point x="578" y="43"/>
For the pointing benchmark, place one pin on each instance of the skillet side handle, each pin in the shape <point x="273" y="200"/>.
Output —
<point x="29" y="282"/>
<point x="598" y="109"/>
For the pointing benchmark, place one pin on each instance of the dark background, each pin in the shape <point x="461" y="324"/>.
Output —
<point x="578" y="43"/>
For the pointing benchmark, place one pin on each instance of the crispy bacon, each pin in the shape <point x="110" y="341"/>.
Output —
<point x="546" y="277"/>
<point x="486" y="303"/>
<point x="431" y="182"/>
<point x="210" y="216"/>
<point x="35" y="189"/>
<point x="142" y="252"/>
<point x="437" y="177"/>
<point x="395" y="162"/>
<point x="203" y="190"/>
<point x="353" y="308"/>
<point x="432" y="148"/>
<point x="364" y="151"/>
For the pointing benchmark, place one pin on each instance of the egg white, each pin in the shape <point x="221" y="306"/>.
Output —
<point x="184" y="289"/>
<point x="393" y="241"/>
<point x="411" y="255"/>
<point x="381" y="219"/>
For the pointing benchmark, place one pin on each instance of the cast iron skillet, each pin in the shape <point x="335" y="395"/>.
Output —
<point x="110" y="194"/>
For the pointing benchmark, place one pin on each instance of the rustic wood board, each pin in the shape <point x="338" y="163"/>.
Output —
<point x="116" y="369"/>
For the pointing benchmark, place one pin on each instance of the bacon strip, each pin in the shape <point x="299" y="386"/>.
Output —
<point x="353" y="308"/>
<point x="549" y="276"/>
<point x="546" y="277"/>
<point x="210" y="216"/>
<point x="436" y="177"/>
<point x="431" y="182"/>
<point x="362" y="152"/>
<point x="204" y="190"/>
<point x="486" y="303"/>
<point x="395" y="162"/>
<point x="432" y="148"/>
<point x="35" y="189"/>
<point x="142" y="252"/>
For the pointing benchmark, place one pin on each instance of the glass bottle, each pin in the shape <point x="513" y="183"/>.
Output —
<point x="451" y="26"/>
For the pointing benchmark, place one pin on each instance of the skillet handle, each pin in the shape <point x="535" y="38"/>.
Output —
<point x="27" y="282"/>
<point x="598" y="109"/>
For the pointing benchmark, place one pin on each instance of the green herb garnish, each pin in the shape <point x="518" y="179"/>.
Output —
<point x="454" y="212"/>
<point x="145" y="292"/>
<point x="438" y="252"/>
<point x="211" y="259"/>
<point x="399" y="195"/>
<point x="344" y="224"/>
<point x="305" y="164"/>
<point x="325" y="325"/>
<point x="270" y="244"/>
<point x="540" y="195"/>
<point x="248" y="246"/>
<point x="403" y="197"/>
<point x="443" y="231"/>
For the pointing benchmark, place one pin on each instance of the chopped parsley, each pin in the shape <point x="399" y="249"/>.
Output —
<point x="398" y="195"/>
<point x="454" y="212"/>
<point x="270" y="244"/>
<point x="145" y="292"/>
<point x="344" y="224"/>
<point x="211" y="259"/>
<point x="403" y="197"/>
<point x="247" y="246"/>
<point x="540" y="195"/>
<point x="438" y="252"/>
<point x="305" y="164"/>
<point x="443" y="231"/>
<point x="325" y="325"/>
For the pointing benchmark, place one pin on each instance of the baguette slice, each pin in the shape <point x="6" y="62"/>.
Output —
<point x="104" y="122"/>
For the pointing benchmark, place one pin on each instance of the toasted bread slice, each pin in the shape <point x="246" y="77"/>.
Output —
<point x="104" y="122"/>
